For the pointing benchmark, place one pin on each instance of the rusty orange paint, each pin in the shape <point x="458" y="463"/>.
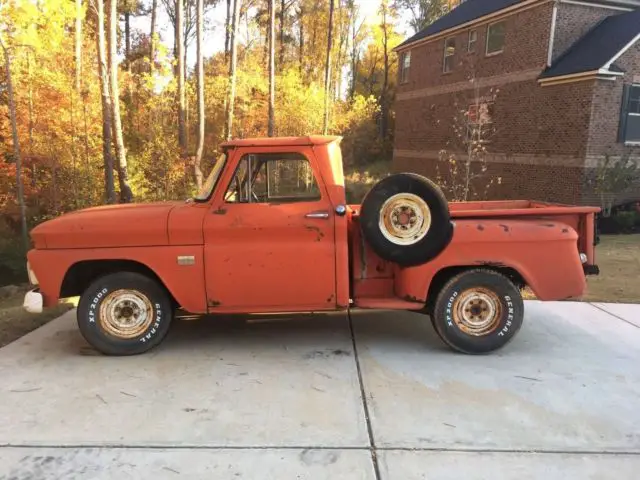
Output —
<point x="261" y="257"/>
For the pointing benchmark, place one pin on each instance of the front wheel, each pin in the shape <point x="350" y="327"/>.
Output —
<point x="124" y="314"/>
<point x="478" y="311"/>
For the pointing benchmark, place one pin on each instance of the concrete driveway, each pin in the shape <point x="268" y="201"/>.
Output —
<point x="373" y="397"/>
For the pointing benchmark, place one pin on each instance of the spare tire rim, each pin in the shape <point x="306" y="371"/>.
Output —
<point x="126" y="313"/>
<point x="405" y="219"/>
<point x="477" y="311"/>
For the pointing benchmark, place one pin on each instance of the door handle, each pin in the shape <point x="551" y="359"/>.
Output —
<point x="317" y="215"/>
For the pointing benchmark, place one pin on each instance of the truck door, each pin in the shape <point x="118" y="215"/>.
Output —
<point x="269" y="238"/>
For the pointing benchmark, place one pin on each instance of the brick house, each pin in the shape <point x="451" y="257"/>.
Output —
<point x="558" y="82"/>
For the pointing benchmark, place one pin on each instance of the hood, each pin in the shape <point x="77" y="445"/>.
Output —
<point x="129" y="225"/>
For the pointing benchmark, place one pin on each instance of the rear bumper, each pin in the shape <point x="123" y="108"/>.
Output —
<point x="33" y="301"/>
<point x="591" y="269"/>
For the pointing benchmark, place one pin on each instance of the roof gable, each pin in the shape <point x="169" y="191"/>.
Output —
<point x="599" y="47"/>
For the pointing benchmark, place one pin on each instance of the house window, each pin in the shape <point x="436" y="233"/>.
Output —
<point x="405" y="67"/>
<point x="473" y="37"/>
<point x="449" y="53"/>
<point x="495" y="38"/>
<point x="480" y="121"/>
<point x="630" y="115"/>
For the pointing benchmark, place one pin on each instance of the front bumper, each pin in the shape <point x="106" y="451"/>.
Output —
<point x="33" y="301"/>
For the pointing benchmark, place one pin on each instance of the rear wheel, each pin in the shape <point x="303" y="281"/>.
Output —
<point x="478" y="311"/>
<point x="124" y="314"/>
<point x="405" y="218"/>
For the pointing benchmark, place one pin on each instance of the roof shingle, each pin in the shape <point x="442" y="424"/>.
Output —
<point x="465" y="12"/>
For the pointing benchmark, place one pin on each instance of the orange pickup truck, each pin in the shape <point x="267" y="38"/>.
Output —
<point x="270" y="231"/>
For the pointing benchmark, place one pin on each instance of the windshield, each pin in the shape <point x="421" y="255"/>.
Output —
<point x="212" y="179"/>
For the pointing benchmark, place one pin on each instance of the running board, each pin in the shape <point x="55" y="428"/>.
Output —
<point x="387" y="304"/>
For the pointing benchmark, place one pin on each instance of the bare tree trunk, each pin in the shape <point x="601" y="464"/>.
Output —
<point x="30" y="100"/>
<point x="232" y="68"/>
<point x="227" y="32"/>
<point x="127" y="35"/>
<point x="16" y="148"/>
<point x="78" y="39"/>
<point x="200" y="68"/>
<point x="327" y="70"/>
<point x="106" y="106"/>
<point x="152" y="40"/>
<point x="342" y="47"/>
<point x="283" y="8"/>
<point x="384" y="100"/>
<point x="301" y="33"/>
<point x="355" y="46"/>
<point x="182" y="134"/>
<point x="272" y="67"/>
<point x="126" y="196"/>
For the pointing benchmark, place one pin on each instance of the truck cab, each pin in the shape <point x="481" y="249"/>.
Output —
<point x="271" y="231"/>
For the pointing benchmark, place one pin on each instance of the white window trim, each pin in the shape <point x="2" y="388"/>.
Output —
<point x="404" y="77"/>
<point x="469" y="42"/>
<point x="486" y="43"/>
<point x="444" y="55"/>
<point x="633" y="143"/>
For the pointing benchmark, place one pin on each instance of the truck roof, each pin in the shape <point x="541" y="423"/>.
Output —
<point x="282" y="141"/>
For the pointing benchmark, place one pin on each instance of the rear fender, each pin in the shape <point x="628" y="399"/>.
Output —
<point x="543" y="253"/>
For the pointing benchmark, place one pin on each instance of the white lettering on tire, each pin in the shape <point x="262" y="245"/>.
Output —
<point x="155" y="326"/>
<point x="448" y="310"/>
<point x="94" y="304"/>
<point x="510" y="312"/>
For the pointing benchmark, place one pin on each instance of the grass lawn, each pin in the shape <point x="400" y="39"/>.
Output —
<point x="618" y="257"/>
<point x="15" y="322"/>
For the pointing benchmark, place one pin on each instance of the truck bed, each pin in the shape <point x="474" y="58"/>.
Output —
<point x="484" y="231"/>
<point x="511" y="208"/>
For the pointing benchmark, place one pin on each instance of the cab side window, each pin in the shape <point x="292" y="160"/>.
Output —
<point x="273" y="178"/>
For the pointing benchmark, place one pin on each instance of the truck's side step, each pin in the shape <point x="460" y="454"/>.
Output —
<point x="387" y="303"/>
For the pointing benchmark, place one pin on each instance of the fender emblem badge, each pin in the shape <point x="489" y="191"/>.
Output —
<point x="186" y="260"/>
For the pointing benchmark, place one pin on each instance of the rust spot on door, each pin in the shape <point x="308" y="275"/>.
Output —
<point x="316" y="230"/>
<point x="480" y="227"/>
<point x="220" y="211"/>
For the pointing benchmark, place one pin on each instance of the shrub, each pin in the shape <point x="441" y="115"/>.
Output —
<point x="626" y="220"/>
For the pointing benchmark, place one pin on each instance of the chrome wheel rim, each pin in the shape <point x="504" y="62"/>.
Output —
<point x="477" y="311"/>
<point x="405" y="219"/>
<point x="126" y="313"/>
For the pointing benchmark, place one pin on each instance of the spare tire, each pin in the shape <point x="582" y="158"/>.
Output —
<point x="405" y="219"/>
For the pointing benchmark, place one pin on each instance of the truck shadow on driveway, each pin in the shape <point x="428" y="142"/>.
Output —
<point x="311" y="332"/>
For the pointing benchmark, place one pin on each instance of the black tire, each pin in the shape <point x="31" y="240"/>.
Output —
<point x="93" y="316"/>
<point x="490" y="289"/>
<point x="426" y="246"/>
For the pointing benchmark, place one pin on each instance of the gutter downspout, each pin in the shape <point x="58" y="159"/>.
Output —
<point x="552" y="34"/>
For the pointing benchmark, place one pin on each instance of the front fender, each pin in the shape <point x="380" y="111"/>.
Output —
<point x="544" y="253"/>
<point x="184" y="282"/>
